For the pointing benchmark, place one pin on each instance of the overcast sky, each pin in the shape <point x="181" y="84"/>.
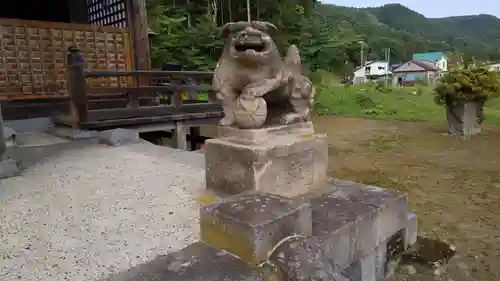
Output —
<point x="433" y="8"/>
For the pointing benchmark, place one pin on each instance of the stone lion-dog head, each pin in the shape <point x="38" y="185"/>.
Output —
<point x="250" y="41"/>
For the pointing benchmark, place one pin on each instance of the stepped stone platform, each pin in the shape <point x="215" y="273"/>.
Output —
<point x="354" y="232"/>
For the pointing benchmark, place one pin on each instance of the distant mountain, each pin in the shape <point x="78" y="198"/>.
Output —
<point x="406" y="31"/>
<point x="481" y="28"/>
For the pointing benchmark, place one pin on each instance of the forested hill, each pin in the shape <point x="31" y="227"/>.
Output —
<point x="327" y="36"/>
<point x="406" y="31"/>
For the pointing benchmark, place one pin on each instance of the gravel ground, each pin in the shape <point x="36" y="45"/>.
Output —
<point x="87" y="213"/>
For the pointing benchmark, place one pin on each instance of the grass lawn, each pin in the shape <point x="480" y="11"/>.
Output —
<point x="407" y="103"/>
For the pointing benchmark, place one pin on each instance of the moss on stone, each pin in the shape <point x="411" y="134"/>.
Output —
<point x="222" y="236"/>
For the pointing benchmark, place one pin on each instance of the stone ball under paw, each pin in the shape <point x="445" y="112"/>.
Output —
<point x="250" y="114"/>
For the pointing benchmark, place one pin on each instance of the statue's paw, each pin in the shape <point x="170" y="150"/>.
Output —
<point x="226" y="122"/>
<point x="290" y="118"/>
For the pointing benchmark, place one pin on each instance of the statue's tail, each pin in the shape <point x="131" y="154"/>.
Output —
<point x="292" y="58"/>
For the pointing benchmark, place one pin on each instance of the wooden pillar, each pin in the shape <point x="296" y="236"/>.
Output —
<point x="137" y="21"/>
<point x="138" y="26"/>
<point x="77" y="86"/>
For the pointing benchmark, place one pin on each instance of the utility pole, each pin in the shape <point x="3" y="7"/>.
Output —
<point x="387" y="54"/>
<point x="248" y="11"/>
<point x="361" y="55"/>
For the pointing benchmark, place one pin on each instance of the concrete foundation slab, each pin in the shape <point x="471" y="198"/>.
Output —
<point x="71" y="133"/>
<point x="250" y="225"/>
<point x="8" y="168"/>
<point x="37" y="140"/>
<point x="117" y="137"/>
<point x="30" y="125"/>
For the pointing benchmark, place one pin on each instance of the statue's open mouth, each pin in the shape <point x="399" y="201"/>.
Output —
<point x="258" y="47"/>
<point x="251" y="47"/>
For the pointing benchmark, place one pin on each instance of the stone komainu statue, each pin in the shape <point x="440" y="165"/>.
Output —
<point x="254" y="84"/>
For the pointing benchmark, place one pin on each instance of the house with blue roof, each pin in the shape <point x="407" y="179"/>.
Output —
<point x="439" y="59"/>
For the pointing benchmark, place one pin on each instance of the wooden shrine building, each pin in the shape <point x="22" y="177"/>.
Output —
<point x="112" y="35"/>
<point x="86" y="64"/>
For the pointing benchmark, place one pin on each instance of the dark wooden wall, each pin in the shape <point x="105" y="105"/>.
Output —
<point x="78" y="11"/>
<point x="48" y="10"/>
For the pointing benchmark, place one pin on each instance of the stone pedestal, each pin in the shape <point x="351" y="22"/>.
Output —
<point x="285" y="160"/>
<point x="464" y="118"/>
<point x="344" y="231"/>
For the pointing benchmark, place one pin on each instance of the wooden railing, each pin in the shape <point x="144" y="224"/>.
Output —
<point x="133" y="86"/>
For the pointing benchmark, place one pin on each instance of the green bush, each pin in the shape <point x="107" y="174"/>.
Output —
<point x="420" y="91"/>
<point x="383" y="88"/>
<point x="363" y="100"/>
<point x="465" y="85"/>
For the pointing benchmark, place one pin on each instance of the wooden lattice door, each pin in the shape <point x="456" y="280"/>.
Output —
<point x="107" y="12"/>
<point x="111" y="13"/>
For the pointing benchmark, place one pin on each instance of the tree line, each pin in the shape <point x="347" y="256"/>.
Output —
<point x="329" y="37"/>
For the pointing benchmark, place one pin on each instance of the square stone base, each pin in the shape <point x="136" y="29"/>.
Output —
<point x="285" y="160"/>
<point x="251" y="225"/>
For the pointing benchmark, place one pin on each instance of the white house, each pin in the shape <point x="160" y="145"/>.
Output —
<point x="439" y="59"/>
<point x="494" y="67"/>
<point x="371" y="68"/>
